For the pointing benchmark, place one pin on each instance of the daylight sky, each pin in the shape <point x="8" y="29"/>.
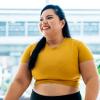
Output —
<point x="67" y="4"/>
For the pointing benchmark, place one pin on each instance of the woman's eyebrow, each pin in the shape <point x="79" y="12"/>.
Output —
<point x="47" y="16"/>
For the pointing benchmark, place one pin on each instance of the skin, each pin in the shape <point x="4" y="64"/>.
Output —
<point x="51" y="27"/>
<point x="90" y="78"/>
<point x="20" y="83"/>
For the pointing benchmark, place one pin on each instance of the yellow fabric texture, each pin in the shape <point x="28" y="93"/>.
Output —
<point x="59" y="64"/>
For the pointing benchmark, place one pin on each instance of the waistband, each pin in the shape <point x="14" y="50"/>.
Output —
<point x="37" y="96"/>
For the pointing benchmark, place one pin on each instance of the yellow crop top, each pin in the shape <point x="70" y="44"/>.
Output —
<point x="59" y="64"/>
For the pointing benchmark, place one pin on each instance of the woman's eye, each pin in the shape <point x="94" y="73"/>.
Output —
<point x="49" y="17"/>
<point x="41" y="19"/>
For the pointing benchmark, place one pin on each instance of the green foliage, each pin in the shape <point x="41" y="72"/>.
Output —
<point x="98" y="68"/>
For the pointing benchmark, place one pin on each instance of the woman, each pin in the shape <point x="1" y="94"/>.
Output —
<point x="56" y="63"/>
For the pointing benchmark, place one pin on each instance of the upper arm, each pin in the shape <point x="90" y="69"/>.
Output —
<point x="88" y="70"/>
<point x="20" y="83"/>
<point x="22" y="78"/>
<point x="84" y="53"/>
<point x="23" y="74"/>
<point x="86" y="62"/>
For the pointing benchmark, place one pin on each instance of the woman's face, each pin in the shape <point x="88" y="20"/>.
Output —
<point x="50" y="24"/>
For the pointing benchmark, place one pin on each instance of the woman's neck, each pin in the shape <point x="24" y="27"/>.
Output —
<point x="54" y="41"/>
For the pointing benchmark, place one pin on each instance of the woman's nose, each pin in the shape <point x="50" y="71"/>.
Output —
<point x="44" y="21"/>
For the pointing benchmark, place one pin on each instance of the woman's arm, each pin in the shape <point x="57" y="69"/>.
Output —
<point x="20" y="83"/>
<point x="91" y="79"/>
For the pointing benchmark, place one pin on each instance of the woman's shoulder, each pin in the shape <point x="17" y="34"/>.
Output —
<point x="30" y="46"/>
<point x="75" y="41"/>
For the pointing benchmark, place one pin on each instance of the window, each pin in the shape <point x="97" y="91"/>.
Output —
<point x="33" y="28"/>
<point x="16" y="28"/>
<point x="90" y="28"/>
<point x="95" y="48"/>
<point x="2" y="28"/>
<point x="75" y="28"/>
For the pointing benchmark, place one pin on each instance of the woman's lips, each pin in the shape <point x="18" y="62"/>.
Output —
<point x="45" y="27"/>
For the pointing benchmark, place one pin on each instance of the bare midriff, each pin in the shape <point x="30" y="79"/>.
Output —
<point x="53" y="89"/>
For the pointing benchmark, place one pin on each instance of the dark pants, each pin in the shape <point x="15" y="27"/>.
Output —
<point x="36" y="96"/>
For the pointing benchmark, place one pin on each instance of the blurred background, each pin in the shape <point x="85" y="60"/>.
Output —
<point x="19" y="26"/>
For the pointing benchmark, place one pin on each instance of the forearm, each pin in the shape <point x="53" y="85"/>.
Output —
<point x="15" y="91"/>
<point x="92" y="88"/>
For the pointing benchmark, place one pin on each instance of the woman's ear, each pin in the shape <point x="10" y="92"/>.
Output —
<point x="62" y="23"/>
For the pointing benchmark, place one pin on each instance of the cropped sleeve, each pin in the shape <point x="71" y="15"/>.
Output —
<point x="84" y="53"/>
<point x="27" y="53"/>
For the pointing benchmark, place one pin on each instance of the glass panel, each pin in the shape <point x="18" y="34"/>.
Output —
<point x="16" y="28"/>
<point x="7" y="70"/>
<point x="91" y="28"/>
<point x="11" y="48"/>
<point x="2" y="28"/>
<point x="8" y="67"/>
<point x="95" y="48"/>
<point x="75" y="28"/>
<point x="33" y="28"/>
